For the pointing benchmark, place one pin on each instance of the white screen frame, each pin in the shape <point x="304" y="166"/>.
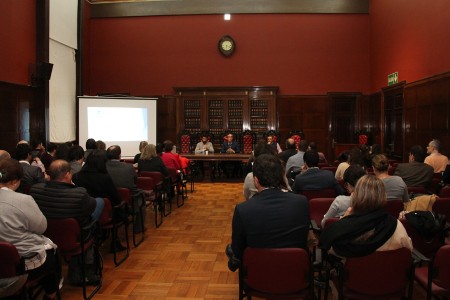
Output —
<point x="129" y="148"/>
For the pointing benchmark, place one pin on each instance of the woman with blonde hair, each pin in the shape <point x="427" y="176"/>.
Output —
<point x="150" y="161"/>
<point x="142" y="145"/>
<point x="394" y="185"/>
<point x="366" y="227"/>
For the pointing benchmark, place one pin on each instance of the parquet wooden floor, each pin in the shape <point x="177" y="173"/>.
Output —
<point x="184" y="258"/>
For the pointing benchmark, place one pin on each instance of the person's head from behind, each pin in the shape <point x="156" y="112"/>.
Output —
<point x="351" y="176"/>
<point x="159" y="148"/>
<point x="62" y="152"/>
<point x="96" y="161"/>
<point x="380" y="163"/>
<point x="303" y="146"/>
<point x="100" y="145"/>
<point x="417" y="153"/>
<point x="23" y="152"/>
<point x="113" y="152"/>
<point x="142" y="145"/>
<point x="263" y="148"/>
<point x="311" y="159"/>
<point x="290" y="144"/>
<point x="76" y="153"/>
<point x="355" y="157"/>
<point x="11" y="173"/>
<point x="313" y="146"/>
<point x="4" y="154"/>
<point x="369" y="195"/>
<point x="149" y="152"/>
<point x="229" y="137"/>
<point x="168" y="146"/>
<point x="268" y="172"/>
<point x="434" y="146"/>
<point x="59" y="170"/>
<point x="51" y="148"/>
<point x="91" y="144"/>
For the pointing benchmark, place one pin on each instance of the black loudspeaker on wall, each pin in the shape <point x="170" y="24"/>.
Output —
<point x="40" y="72"/>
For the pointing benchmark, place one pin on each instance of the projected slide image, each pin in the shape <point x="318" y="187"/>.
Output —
<point x="117" y="123"/>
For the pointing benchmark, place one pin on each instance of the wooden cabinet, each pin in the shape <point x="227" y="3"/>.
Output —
<point x="216" y="109"/>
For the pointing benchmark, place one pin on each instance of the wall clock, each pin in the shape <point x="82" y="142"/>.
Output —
<point x="227" y="45"/>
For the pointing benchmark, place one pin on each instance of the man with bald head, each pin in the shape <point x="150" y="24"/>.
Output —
<point x="4" y="154"/>
<point x="291" y="150"/>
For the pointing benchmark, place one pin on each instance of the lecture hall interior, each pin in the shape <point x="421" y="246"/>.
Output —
<point x="332" y="69"/>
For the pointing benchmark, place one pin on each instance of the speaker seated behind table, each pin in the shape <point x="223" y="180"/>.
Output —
<point x="204" y="146"/>
<point x="230" y="146"/>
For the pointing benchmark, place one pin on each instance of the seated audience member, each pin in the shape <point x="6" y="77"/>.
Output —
<point x="322" y="159"/>
<point x="142" y="145"/>
<point x="169" y="159"/>
<point x="203" y="146"/>
<point x="295" y="162"/>
<point x="23" y="224"/>
<point x="230" y="146"/>
<point x="91" y="145"/>
<point x="342" y="202"/>
<point x="124" y="176"/>
<point x="60" y="198"/>
<point x="150" y="161"/>
<point x="76" y="157"/>
<point x="4" y="154"/>
<point x="49" y="155"/>
<point x="271" y="218"/>
<point x="354" y="158"/>
<point x="415" y="172"/>
<point x="313" y="178"/>
<point x="291" y="149"/>
<point x="435" y="159"/>
<point x="249" y="183"/>
<point x="366" y="226"/>
<point x="272" y="143"/>
<point x="394" y="185"/>
<point x="31" y="174"/>
<point x="100" y="145"/>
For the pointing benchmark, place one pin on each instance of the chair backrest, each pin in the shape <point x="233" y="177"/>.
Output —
<point x="323" y="193"/>
<point x="106" y="216"/>
<point x="426" y="246"/>
<point x="145" y="183"/>
<point x="362" y="139"/>
<point x="390" y="270"/>
<point x="442" y="206"/>
<point x="275" y="271"/>
<point x="125" y="194"/>
<point x="394" y="207"/>
<point x="297" y="135"/>
<point x="417" y="190"/>
<point x="157" y="176"/>
<point x="248" y="141"/>
<point x="441" y="270"/>
<point x="9" y="260"/>
<point x="65" y="233"/>
<point x="318" y="208"/>
<point x="185" y="141"/>
<point x="445" y="192"/>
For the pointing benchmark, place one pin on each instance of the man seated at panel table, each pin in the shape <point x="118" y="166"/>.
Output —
<point x="230" y="146"/>
<point x="204" y="146"/>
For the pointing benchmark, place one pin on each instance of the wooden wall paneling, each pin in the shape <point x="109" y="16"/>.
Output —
<point x="167" y="119"/>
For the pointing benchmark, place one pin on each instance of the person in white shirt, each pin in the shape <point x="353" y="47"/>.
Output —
<point x="203" y="146"/>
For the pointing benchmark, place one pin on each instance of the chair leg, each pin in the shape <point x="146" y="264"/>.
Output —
<point x="158" y="207"/>
<point x="166" y="202"/>
<point x="115" y="237"/>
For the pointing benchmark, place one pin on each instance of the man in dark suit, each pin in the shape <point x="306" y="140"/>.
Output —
<point x="270" y="219"/>
<point x="415" y="172"/>
<point x="31" y="174"/>
<point x="313" y="178"/>
<point x="230" y="146"/>
<point x="124" y="176"/>
<point x="291" y="149"/>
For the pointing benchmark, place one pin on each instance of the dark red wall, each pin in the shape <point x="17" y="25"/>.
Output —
<point x="17" y="39"/>
<point x="411" y="37"/>
<point x="303" y="54"/>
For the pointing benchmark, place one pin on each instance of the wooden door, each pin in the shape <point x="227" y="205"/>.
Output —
<point x="393" y="121"/>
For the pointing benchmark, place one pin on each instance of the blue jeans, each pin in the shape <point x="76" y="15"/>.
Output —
<point x="98" y="209"/>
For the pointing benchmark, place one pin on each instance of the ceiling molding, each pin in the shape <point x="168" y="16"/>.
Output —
<point x="199" y="7"/>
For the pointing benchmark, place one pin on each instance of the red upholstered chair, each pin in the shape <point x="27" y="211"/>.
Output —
<point x="275" y="273"/>
<point x="417" y="190"/>
<point x="135" y="210"/>
<point x="11" y="267"/>
<point x="380" y="275"/>
<point x="178" y="186"/>
<point x="427" y="246"/>
<point x="394" y="207"/>
<point x="318" y="207"/>
<point x="184" y="141"/>
<point x="72" y="240"/>
<point x="150" y="186"/>
<point x="248" y="141"/>
<point x="362" y="139"/>
<point x="435" y="277"/>
<point x="162" y="190"/>
<point x="297" y="135"/>
<point x="445" y="192"/>
<point x="107" y="223"/>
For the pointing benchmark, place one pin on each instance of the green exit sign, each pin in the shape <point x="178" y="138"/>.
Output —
<point x="393" y="78"/>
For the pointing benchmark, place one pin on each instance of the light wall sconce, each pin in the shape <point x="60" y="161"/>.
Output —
<point x="227" y="17"/>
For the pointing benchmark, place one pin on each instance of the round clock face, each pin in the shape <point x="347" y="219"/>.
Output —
<point x="227" y="45"/>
